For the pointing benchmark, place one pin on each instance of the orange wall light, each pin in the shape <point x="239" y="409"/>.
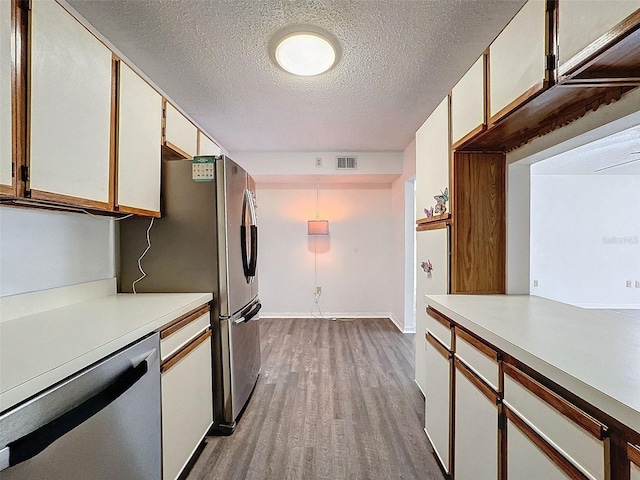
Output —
<point x="318" y="227"/>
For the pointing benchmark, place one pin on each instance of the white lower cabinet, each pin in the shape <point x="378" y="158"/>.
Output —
<point x="187" y="395"/>
<point x="421" y="351"/>
<point x="525" y="460"/>
<point x="476" y="429"/>
<point x="438" y="400"/>
<point x="583" y="442"/>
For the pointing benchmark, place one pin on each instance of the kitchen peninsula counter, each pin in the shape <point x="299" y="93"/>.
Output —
<point x="47" y="336"/>
<point x="595" y="354"/>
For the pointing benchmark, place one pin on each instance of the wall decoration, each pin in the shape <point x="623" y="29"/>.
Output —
<point x="441" y="200"/>
<point x="427" y="267"/>
<point x="428" y="212"/>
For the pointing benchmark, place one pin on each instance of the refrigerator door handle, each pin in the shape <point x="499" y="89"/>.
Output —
<point x="249" y="264"/>
<point x="245" y="318"/>
<point x="33" y="443"/>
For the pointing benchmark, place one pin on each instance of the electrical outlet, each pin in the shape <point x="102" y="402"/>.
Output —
<point x="535" y="283"/>
<point x="637" y="284"/>
<point x="629" y="283"/>
<point x="318" y="162"/>
<point x="318" y="290"/>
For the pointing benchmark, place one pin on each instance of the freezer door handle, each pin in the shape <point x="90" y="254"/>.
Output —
<point x="33" y="443"/>
<point x="252" y="313"/>
<point x="249" y="259"/>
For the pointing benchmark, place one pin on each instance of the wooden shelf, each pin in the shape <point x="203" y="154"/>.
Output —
<point x="433" y="223"/>
<point x="602" y="73"/>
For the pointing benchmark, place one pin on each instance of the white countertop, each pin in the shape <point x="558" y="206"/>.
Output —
<point x="593" y="353"/>
<point x="42" y="348"/>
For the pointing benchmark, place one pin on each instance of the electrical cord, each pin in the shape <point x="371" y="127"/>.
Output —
<point x="133" y="285"/>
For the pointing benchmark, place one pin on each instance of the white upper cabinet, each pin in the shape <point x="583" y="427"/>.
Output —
<point x="467" y="103"/>
<point x="517" y="59"/>
<point x="180" y="134"/>
<point x="206" y="146"/>
<point x="432" y="158"/>
<point x="6" y="129"/>
<point x="70" y="116"/>
<point x="139" y="143"/>
<point x="583" y="21"/>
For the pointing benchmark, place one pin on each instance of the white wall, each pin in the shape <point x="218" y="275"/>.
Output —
<point x="261" y="164"/>
<point x="41" y="249"/>
<point x="402" y="243"/>
<point x="353" y="263"/>
<point x="585" y="239"/>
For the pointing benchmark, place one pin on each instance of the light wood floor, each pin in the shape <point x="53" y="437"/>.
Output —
<point x="335" y="400"/>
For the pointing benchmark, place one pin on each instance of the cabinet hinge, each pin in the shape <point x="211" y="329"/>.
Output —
<point x="13" y="170"/>
<point x="551" y="62"/>
<point x="24" y="173"/>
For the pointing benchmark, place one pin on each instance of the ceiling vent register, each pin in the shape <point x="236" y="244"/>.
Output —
<point x="346" y="163"/>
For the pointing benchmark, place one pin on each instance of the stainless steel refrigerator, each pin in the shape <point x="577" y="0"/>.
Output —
<point x="206" y="241"/>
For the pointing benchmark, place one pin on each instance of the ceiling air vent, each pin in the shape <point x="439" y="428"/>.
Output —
<point x="346" y="163"/>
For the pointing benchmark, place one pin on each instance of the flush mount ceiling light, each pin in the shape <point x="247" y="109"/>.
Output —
<point x="305" y="54"/>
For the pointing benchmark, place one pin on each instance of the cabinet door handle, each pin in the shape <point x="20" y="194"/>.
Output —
<point x="33" y="443"/>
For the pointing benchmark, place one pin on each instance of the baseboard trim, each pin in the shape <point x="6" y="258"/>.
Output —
<point x="326" y="315"/>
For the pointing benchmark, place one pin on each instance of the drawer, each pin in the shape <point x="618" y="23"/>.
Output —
<point x="568" y="428"/>
<point x="178" y="333"/>
<point x="439" y="326"/>
<point x="633" y="452"/>
<point x="187" y="404"/>
<point x="481" y="358"/>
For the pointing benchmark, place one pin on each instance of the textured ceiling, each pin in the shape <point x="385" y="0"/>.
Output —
<point x="398" y="60"/>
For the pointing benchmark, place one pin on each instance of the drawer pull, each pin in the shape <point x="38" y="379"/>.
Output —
<point x="180" y="354"/>
<point x="555" y="456"/>
<point x="172" y="327"/>
<point x="577" y="416"/>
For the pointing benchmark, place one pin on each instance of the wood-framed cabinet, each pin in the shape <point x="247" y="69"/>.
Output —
<point x="71" y="158"/>
<point x="180" y="135"/>
<point x="518" y="60"/>
<point x="139" y="133"/>
<point x="469" y="103"/>
<point x="439" y="392"/>
<point x="186" y="383"/>
<point x="206" y="146"/>
<point x="476" y="439"/>
<point x="7" y="47"/>
<point x="81" y="129"/>
<point x="584" y="26"/>
<point x="504" y="424"/>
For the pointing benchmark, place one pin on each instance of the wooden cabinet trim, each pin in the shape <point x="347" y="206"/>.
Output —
<point x="633" y="453"/>
<point x="479" y="383"/>
<point x="522" y="99"/>
<point x="424" y="227"/>
<point x="113" y="140"/>
<point x="139" y="211"/>
<point x="477" y="344"/>
<point x="545" y="447"/>
<point x="176" y="149"/>
<point x="67" y="200"/>
<point x="585" y="58"/>
<point x="440" y="348"/>
<point x="440" y="318"/>
<point x="460" y="143"/>
<point x="175" y="325"/>
<point x="180" y="354"/>
<point x="570" y="411"/>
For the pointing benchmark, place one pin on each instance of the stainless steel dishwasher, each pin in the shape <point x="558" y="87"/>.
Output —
<point x="101" y="423"/>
